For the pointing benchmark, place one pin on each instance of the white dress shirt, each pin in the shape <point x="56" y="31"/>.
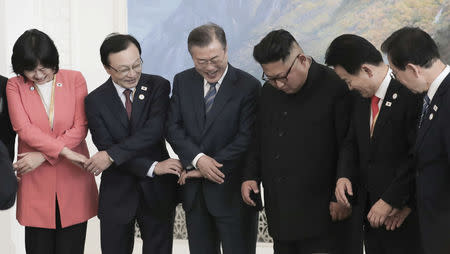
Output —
<point x="437" y="82"/>
<point x="45" y="91"/>
<point x="381" y="93"/>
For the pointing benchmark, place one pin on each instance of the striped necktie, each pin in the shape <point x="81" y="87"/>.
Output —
<point x="425" y="106"/>
<point x="210" y="95"/>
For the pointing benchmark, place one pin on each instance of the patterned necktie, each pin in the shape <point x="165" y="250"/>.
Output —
<point x="210" y="95"/>
<point x="425" y="106"/>
<point x="375" y="110"/>
<point x="128" y="104"/>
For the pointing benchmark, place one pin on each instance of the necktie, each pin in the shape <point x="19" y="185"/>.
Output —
<point x="210" y="95"/>
<point x="375" y="110"/>
<point x="425" y="106"/>
<point x="128" y="104"/>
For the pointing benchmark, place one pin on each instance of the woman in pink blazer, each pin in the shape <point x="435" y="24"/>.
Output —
<point x="56" y="196"/>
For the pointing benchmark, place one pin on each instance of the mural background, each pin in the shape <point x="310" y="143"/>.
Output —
<point x="162" y="27"/>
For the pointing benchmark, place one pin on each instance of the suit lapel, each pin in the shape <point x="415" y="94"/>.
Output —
<point x="435" y="104"/>
<point x="224" y="94"/>
<point x="198" y="100"/>
<point x="115" y="105"/>
<point x="386" y="108"/>
<point x="363" y="120"/>
<point x="37" y="108"/>
<point x="141" y="96"/>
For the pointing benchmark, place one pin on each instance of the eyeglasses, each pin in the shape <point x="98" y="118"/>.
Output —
<point x="123" y="71"/>
<point x="282" y="79"/>
<point x="214" y="61"/>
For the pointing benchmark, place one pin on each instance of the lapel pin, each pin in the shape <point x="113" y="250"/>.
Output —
<point x="32" y="88"/>
<point x="143" y="88"/>
<point x="388" y="103"/>
<point x="435" y="108"/>
<point x="141" y="96"/>
<point x="431" y="116"/>
<point x="59" y="85"/>
<point x="394" y="96"/>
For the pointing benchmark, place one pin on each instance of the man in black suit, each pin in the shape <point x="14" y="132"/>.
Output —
<point x="126" y="116"/>
<point x="302" y="120"/>
<point x="415" y="61"/>
<point x="211" y="116"/>
<point x="8" y="136"/>
<point x="375" y="157"/>
<point x="8" y="181"/>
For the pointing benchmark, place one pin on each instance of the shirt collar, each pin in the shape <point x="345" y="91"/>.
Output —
<point x="381" y="92"/>
<point x="437" y="82"/>
<point x="120" y="89"/>
<point x="220" y="80"/>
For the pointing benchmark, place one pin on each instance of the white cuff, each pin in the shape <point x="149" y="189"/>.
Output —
<point x="152" y="168"/>
<point x="194" y="161"/>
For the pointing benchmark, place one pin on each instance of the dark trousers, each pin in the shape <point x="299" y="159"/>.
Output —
<point x="349" y="233"/>
<point x="235" y="233"/>
<point x="69" y="240"/>
<point x="156" y="233"/>
<point x="404" y="240"/>
<point x="320" y="244"/>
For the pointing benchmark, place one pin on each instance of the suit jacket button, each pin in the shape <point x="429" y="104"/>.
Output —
<point x="285" y="113"/>
<point x="281" y="133"/>
<point x="277" y="157"/>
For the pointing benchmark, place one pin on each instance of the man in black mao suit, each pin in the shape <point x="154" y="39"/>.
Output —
<point x="8" y="181"/>
<point x="302" y="119"/>
<point x="8" y="135"/>
<point x="415" y="61"/>
<point x="126" y="116"/>
<point x="375" y="158"/>
<point x="211" y="116"/>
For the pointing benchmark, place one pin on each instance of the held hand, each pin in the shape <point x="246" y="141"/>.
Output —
<point x="339" y="211"/>
<point x="343" y="185"/>
<point x="189" y="174"/>
<point x="28" y="162"/>
<point x="169" y="166"/>
<point x="379" y="212"/>
<point x="76" y="158"/>
<point x="246" y="188"/>
<point x="98" y="163"/>
<point x="209" y="168"/>
<point x="396" y="220"/>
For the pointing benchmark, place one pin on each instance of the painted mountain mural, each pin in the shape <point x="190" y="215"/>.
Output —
<point x="163" y="26"/>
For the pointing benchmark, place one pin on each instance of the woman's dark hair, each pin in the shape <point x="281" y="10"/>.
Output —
<point x="32" y="48"/>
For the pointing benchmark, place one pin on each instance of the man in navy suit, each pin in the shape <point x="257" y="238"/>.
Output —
<point x="375" y="156"/>
<point x="126" y="116"/>
<point x="211" y="116"/>
<point x="415" y="61"/>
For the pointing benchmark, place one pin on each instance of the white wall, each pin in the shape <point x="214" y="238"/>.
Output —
<point x="78" y="28"/>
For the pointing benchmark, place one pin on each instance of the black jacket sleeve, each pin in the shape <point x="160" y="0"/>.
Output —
<point x="8" y="182"/>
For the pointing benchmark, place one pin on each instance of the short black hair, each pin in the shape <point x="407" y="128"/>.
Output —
<point x="203" y="35"/>
<point x="114" y="43"/>
<point x="32" y="48"/>
<point x="410" y="45"/>
<point x="275" y="46"/>
<point x="351" y="52"/>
